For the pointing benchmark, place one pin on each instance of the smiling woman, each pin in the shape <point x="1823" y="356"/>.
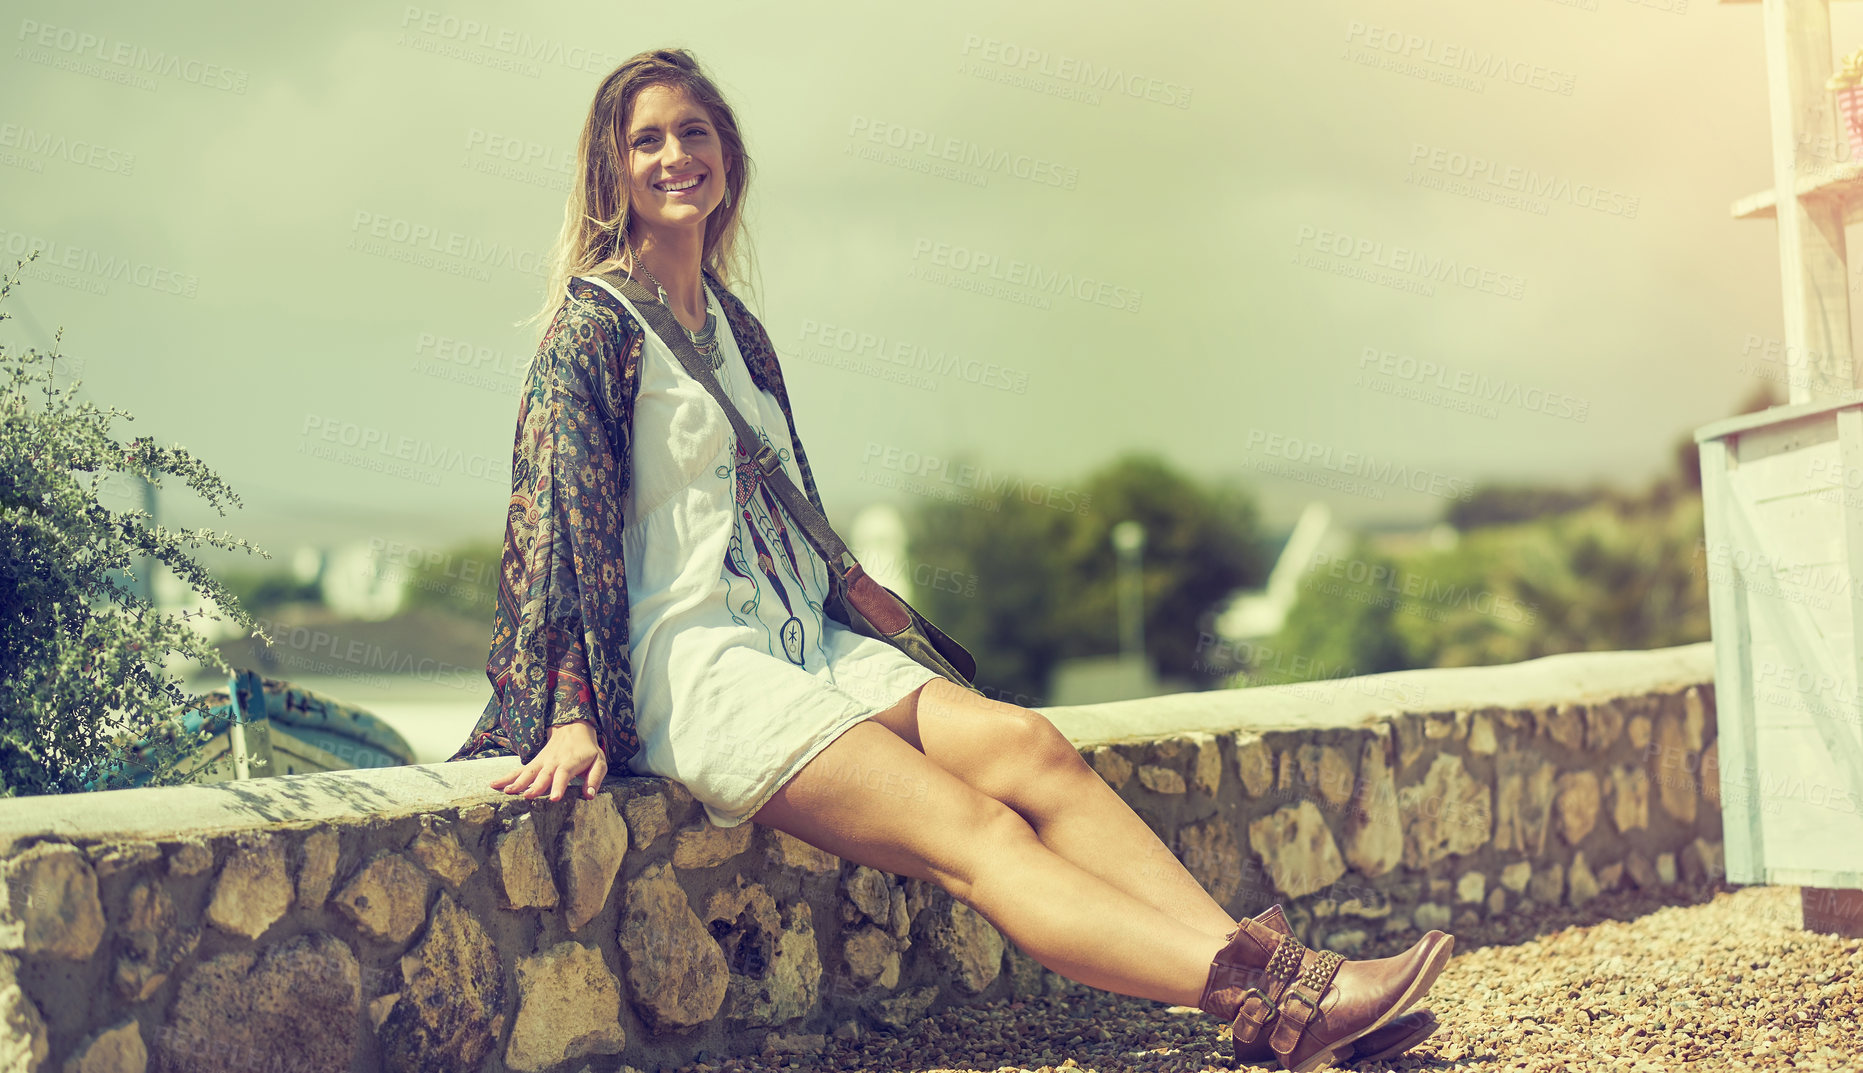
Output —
<point x="657" y="609"/>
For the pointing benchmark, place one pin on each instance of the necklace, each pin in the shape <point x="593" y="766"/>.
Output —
<point x="705" y="340"/>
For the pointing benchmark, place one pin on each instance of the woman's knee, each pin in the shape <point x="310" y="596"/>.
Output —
<point x="872" y="799"/>
<point x="1019" y="741"/>
<point x="1034" y="763"/>
<point x="1046" y="741"/>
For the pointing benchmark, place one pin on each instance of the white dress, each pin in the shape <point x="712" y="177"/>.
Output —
<point x="739" y="676"/>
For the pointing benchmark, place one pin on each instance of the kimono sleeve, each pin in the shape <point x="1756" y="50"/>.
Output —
<point x="560" y="642"/>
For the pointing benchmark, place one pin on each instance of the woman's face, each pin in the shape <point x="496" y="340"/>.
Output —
<point x="671" y="140"/>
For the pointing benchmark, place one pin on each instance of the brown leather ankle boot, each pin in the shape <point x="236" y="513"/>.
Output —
<point x="1311" y="1004"/>
<point x="1390" y="1041"/>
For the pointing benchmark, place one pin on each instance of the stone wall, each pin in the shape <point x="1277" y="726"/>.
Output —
<point x="414" y="919"/>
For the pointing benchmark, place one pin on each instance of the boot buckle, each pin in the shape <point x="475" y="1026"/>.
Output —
<point x="1254" y="1021"/>
<point x="1297" y="994"/>
<point x="1293" y="1024"/>
<point x="1307" y="991"/>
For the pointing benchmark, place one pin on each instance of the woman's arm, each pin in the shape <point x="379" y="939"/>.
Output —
<point x="560" y="651"/>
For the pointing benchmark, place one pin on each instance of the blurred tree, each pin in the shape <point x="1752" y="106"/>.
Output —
<point x="1499" y="503"/>
<point x="1598" y="579"/>
<point x="1535" y="571"/>
<point x="263" y="592"/>
<point x="1202" y="542"/>
<point x="1595" y="579"/>
<point x="1010" y="619"/>
<point x="462" y="582"/>
<point x="1046" y="574"/>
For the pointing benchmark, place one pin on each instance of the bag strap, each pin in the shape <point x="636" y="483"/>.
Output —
<point x="866" y="599"/>
<point x="815" y="527"/>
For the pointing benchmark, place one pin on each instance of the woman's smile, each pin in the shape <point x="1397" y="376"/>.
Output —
<point x="683" y="187"/>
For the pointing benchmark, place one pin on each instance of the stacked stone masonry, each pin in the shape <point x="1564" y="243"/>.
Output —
<point x="396" y="931"/>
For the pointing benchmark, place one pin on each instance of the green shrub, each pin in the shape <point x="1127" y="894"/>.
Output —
<point x="82" y="658"/>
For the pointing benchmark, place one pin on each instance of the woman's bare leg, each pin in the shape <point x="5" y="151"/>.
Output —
<point x="1015" y="756"/>
<point x="1096" y="830"/>
<point x="919" y="820"/>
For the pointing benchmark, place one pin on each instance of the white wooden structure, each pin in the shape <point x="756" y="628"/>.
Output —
<point x="1782" y="495"/>
<point x="1784" y="547"/>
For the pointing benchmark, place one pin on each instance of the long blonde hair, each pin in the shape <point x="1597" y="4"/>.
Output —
<point x="596" y="214"/>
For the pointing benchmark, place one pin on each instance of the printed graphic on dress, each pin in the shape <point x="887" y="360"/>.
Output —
<point x="764" y="562"/>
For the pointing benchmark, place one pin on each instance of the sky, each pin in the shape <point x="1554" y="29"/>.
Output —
<point x="1369" y="254"/>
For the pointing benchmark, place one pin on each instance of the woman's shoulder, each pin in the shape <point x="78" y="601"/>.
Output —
<point x="593" y="336"/>
<point x="588" y="304"/>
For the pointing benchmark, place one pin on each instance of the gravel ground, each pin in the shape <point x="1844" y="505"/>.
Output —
<point x="1628" y="983"/>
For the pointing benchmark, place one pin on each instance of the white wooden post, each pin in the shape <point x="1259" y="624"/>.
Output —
<point x="1814" y="273"/>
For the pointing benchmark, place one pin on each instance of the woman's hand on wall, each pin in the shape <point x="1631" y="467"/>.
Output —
<point x="571" y="751"/>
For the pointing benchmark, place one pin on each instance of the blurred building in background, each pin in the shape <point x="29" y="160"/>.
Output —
<point x="358" y="580"/>
<point x="1252" y="614"/>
